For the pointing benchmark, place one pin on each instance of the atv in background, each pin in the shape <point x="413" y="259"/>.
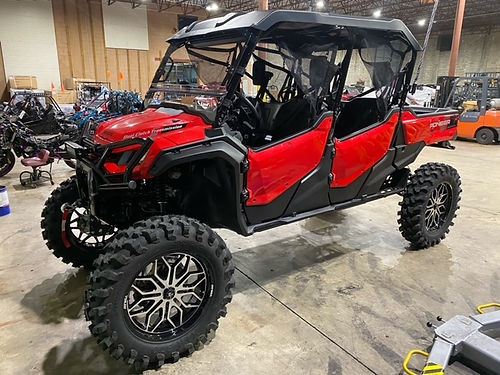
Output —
<point x="41" y="114"/>
<point x="107" y="105"/>
<point x="262" y="139"/>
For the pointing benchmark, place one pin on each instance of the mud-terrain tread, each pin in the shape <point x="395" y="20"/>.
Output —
<point x="411" y="216"/>
<point x="128" y="244"/>
<point x="51" y="226"/>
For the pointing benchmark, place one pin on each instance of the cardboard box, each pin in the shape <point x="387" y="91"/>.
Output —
<point x="23" y="82"/>
<point x="66" y="97"/>
<point x="69" y="84"/>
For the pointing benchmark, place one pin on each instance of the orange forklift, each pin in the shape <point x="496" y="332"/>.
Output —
<point x="479" y="99"/>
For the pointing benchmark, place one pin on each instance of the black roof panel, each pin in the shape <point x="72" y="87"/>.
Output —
<point x="264" y="20"/>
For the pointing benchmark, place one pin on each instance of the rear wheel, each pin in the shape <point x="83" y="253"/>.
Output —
<point x="157" y="293"/>
<point x="485" y="136"/>
<point x="7" y="161"/>
<point x="429" y="204"/>
<point x="71" y="232"/>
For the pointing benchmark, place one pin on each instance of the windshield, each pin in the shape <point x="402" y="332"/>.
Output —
<point x="194" y="77"/>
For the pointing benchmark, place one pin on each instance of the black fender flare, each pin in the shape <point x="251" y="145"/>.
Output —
<point x="216" y="149"/>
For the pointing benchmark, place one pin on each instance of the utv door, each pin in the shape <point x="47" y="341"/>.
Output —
<point x="291" y="174"/>
<point x="356" y="153"/>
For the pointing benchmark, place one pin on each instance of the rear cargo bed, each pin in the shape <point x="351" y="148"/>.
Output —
<point x="431" y="111"/>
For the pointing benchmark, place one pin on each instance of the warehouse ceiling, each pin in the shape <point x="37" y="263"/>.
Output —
<point x="483" y="13"/>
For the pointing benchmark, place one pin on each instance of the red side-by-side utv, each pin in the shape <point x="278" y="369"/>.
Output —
<point x="260" y="137"/>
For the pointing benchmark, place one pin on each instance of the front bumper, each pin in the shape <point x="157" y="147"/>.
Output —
<point x="92" y="176"/>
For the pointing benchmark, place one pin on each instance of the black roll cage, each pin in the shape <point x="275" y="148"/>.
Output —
<point x="246" y="44"/>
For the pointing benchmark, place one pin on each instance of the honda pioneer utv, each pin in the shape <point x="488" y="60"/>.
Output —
<point x="251" y="134"/>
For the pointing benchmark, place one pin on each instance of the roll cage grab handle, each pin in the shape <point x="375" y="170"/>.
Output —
<point x="238" y="71"/>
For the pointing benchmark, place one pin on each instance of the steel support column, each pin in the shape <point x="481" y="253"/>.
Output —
<point x="457" y="33"/>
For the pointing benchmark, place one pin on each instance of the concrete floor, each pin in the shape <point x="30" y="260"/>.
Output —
<point x="335" y="294"/>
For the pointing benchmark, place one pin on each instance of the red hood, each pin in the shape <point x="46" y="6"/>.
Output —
<point x="175" y="124"/>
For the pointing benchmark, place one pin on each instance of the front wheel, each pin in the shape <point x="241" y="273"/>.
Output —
<point x="429" y="204"/>
<point x="7" y="161"/>
<point x="72" y="233"/>
<point x="159" y="290"/>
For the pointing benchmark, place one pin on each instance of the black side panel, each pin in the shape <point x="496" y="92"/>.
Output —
<point x="399" y="134"/>
<point x="396" y="159"/>
<point x="378" y="174"/>
<point x="218" y="149"/>
<point x="406" y="154"/>
<point x="273" y="210"/>
<point x="313" y="189"/>
<point x="349" y="192"/>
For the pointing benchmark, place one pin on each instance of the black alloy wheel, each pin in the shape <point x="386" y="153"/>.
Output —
<point x="158" y="291"/>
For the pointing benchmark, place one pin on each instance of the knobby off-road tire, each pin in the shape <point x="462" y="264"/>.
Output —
<point x="57" y="233"/>
<point x="133" y="303"/>
<point x="429" y="205"/>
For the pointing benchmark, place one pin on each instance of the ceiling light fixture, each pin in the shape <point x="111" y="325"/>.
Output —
<point x="320" y="4"/>
<point x="421" y="22"/>
<point x="212" y="7"/>
<point x="377" y="13"/>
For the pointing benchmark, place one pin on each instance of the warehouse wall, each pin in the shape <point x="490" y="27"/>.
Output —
<point x="479" y="52"/>
<point x="4" y="96"/>
<point x="28" y="40"/>
<point x="82" y="52"/>
<point x="29" y="30"/>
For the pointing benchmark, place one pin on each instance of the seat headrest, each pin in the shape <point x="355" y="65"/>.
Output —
<point x="382" y="74"/>
<point x="318" y="71"/>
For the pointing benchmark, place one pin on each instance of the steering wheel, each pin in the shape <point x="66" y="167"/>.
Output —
<point x="252" y="109"/>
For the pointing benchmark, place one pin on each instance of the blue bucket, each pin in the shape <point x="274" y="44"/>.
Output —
<point x="4" y="201"/>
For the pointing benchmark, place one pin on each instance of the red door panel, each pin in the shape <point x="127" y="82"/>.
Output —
<point x="356" y="155"/>
<point x="275" y="169"/>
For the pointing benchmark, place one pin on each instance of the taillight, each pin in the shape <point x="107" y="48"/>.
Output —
<point x="453" y="121"/>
